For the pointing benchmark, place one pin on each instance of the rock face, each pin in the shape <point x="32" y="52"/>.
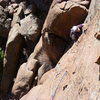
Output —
<point x="20" y="27"/>
<point x="62" y="17"/>
<point x="19" y="36"/>
<point x="4" y="23"/>
<point x="76" y="76"/>
<point x="86" y="3"/>
<point x="17" y="16"/>
<point x="4" y="3"/>
<point x="49" y="66"/>
<point x="24" y="78"/>
<point x="11" y="57"/>
<point x="30" y="27"/>
<point x="46" y="60"/>
<point x="50" y="47"/>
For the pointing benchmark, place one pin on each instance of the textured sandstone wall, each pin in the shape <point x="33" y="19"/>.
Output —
<point x="41" y="61"/>
<point x="77" y="74"/>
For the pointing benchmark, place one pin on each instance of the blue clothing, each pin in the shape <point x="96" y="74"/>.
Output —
<point x="74" y="34"/>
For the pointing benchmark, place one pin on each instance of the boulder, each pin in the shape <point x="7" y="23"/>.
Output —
<point x="24" y="79"/>
<point x="26" y="74"/>
<point x="2" y="14"/>
<point x="5" y="23"/>
<point x="17" y="1"/>
<point x="11" y="59"/>
<point x="18" y="14"/>
<point x="63" y="16"/>
<point x="86" y="3"/>
<point x="27" y="31"/>
<point x="11" y="8"/>
<point x="23" y="5"/>
<point x="30" y="28"/>
<point x="30" y="9"/>
<point x="4" y="3"/>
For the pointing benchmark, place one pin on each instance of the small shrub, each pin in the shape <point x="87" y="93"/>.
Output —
<point x="1" y="61"/>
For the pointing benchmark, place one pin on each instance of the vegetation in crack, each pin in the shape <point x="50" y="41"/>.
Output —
<point x="1" y="61"/>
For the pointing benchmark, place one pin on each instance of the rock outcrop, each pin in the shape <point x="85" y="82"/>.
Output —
<point x="63" y="16"/>
<point x="41" y="61"/>
<point x="76" y="76"/>
<point x="24" y="79"/>
<point x="29" y="30"/>
<point x="24" y="20"/>
<point x="52" y="46"/>
<point x="22" y="39"/>
<point x="4" y="3"/>
<point x="5" y="23"/>
<point x="13" y="48"/>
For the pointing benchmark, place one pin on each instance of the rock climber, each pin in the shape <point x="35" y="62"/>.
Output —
<point x="76" y="31"/>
